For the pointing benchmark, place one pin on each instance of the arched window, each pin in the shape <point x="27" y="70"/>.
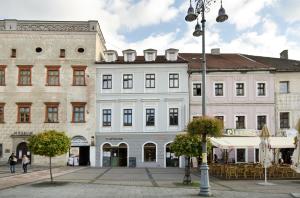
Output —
<point x="149" y="152"/>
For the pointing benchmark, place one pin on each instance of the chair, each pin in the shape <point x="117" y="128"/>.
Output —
<point x="231" y="171"/>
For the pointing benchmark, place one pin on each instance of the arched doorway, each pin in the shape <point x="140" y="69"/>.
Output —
<point x="22" y="149"/>
<point x="171" y="159"/>
<point x="115" y="156"/>
<point x="80" y="149"/>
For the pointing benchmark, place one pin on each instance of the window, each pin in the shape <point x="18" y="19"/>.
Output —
<point x="150" y="80"/>
<point x="2" y="75"/>
<point x="24" y="112"/>
<point x="24" y="76"/>
<point x="284" y="86"/>
<point x="220" y="118"/>
<point x="1" y="112"/>
<point x="106" y="121"/>
<point x="38" y="50"/>
<point x="240" y="155"/>
<point x="261" y="121"/>
<point x="240" y="89"/>
<point x="80" y="50"/>
<point x="79" y="75"/>
<point x="127" y="81"/>
<point x="13" y="53"/>
<point x="62" y="53"/>
<point x="107" y="82"/>
<point x="173" y="116"/>
<point x="197" y="89"/>
<point x="53" y="75"/>
<point x="173" y="80"/>
<point x="51" y="112"/>
<point x="149" y="152"/>
<point x="218" y="89"/>
<point x="150" y="117"/>
<point x="256" y="155"/>
<point x="284" y="120"/>
<point x="127" y="117"/>
<point x="78" y="112"/>
<point x="261" y="89"/>
<point x="1" y="150"/>
<point x="240" y="122"/>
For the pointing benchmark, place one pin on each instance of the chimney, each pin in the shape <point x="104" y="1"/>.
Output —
<point x="215" y="51"/>
<point x="284" y="54"/>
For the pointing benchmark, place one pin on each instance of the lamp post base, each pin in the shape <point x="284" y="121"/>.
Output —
<point x="204" y="182"/>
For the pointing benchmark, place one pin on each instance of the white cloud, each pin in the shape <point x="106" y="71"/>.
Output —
<point x="289" y="9"/>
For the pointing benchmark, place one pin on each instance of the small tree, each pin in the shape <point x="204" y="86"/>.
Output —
<point x="50" y="144"/>
<point x="189" y="146"/>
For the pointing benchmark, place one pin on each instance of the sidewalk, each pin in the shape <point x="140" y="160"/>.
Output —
<point x="10" y="180"/>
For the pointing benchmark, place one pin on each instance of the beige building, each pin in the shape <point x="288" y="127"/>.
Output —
<point x="46" y="82"/>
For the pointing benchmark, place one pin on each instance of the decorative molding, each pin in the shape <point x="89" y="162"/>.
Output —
<point x="57" y="27"/>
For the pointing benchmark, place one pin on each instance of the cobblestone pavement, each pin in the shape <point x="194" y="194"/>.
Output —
<point x="137" y="182"/>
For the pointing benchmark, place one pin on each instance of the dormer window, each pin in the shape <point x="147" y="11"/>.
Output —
<point x="129" y="55"/>
<point x="150" y="55"/>
<point x="171" y="54"/>
<point x="110" y="56"/>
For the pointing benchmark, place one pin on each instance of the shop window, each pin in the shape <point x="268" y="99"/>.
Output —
<point x="240" y="155"/>
<point x="149" y="152"/>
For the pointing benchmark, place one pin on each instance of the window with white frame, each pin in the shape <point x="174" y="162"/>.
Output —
<point x="150" y="117"/>
<point x="127" y="117"/>
<point x="106" y="117"/>
<point x="106" y="81"/>
<point x="261" y="89"/>
<point x="219" y="89"/>
<point x="149" y="152"/>
<point x="240" y="122"/>
<point x="261" y="121"/>
<point x="127" y="81"/>
<point x="173" y="80"/>
<point x="284" y="87"/>
<point x="240" y="155"/>
<point x="150" y="80"/>
<point x="173" y="116"/>
<point x="240" y="89"/>
<point x="196" y="89"/>
<point x="284" y="120"/>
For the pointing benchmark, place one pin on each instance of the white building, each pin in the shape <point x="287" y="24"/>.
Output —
<point x="142" y="103"/>
<point x="46" y="82"/>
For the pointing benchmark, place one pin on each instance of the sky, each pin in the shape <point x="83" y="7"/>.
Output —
<point x="256" y="27"/>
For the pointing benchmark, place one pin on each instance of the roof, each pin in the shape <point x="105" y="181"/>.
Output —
<point x="141" y="60"/>
<point x="283" y="65"/>
<point x="224" y="62"/>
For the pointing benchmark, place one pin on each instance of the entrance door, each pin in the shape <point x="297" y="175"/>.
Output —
<point x="22" y="149"/>
<point x="171" y="159"/>
<point x="84" y="156"/>
<point x="123" y="155"/>
<point x="114" y="156"/>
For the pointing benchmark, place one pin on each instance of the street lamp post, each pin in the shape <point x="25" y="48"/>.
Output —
<point x="201" y="7"/>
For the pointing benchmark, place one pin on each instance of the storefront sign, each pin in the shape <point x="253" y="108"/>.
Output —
<point x="79" y="141"/>
<point x="240" y="132"/>
<point x="22" y="133"/>
<point x="116" y="139"/>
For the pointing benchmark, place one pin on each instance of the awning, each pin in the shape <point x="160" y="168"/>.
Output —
<point x="251" y="142"/>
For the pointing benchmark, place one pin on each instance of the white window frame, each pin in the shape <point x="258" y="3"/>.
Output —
<point x="234" y="120"/>
<point x="192" y="87"/>
<point x="246" y="154"/>
<point x="214" y="89"/>
<point x="173" y="88"/>
<point x="266" y="88"/>
<point x="261" y="114"/>
<point x="245" y="90"/>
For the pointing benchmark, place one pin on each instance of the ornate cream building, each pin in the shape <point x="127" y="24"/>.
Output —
<point x="47" y="82"/>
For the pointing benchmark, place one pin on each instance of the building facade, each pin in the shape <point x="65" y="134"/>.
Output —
<point x="239" y="91"/>
<point x="47" y="82"/>
<point x="142" y="103"/>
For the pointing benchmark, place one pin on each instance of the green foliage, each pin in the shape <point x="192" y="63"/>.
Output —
<point x="205" y="125"/>
<point x="187" y="145"/>
<point x="49" y="143"/>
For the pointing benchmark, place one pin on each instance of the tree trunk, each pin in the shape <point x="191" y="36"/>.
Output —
<point x="51" y="171"/>
<point x="187" y="175"/>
